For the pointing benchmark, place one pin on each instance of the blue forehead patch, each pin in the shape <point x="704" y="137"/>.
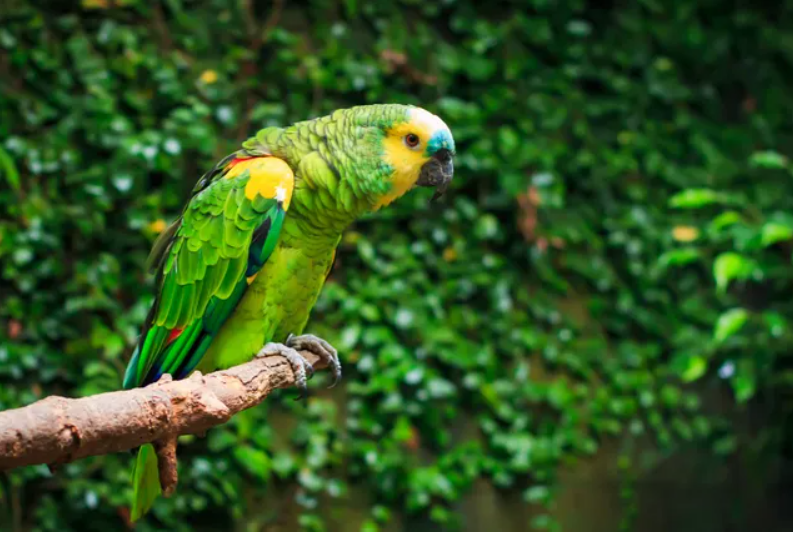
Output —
<point x="442" y="139"/>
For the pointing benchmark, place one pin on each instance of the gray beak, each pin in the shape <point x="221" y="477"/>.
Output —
<point x="437" y="173"/>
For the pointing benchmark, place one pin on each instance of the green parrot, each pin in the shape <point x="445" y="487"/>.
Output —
<point x="238" y="273"/>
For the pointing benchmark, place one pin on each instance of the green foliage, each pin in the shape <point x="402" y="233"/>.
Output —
<point x="615" y="247"/>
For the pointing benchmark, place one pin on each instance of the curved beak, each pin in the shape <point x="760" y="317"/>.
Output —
<point x="437" y="173"/>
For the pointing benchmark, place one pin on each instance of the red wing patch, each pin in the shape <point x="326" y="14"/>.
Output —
<point x="174" y="334"/>
<point x="235" y="161"/>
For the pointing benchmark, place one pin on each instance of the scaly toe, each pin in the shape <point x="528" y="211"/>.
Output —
<point x="319" y="347"/>
<point x="302" y="369"/>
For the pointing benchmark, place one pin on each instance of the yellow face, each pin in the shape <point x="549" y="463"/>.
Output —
<point x="409" y="145"/>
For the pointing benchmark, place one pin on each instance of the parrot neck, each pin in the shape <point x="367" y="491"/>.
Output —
<point x="318" y="215"/>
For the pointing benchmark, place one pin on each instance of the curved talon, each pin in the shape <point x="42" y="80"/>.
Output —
<point x="309" y="370"/>
<point x="319" y="347"/>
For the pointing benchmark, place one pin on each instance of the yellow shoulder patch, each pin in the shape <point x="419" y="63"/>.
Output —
<point x="271" y="177"/>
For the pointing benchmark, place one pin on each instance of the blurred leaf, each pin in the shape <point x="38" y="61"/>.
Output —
<point x="679" y="257"/>
<point x="744" y="382"/>
<point x="774" y="232"/>
<point x="777" y="324"/>
<point x="695" y="198"/>
<point x="255" y="461"/>
<point x="729" y="323"/>
<point x="768" y="160"/>
<point x="731" y="266"/>
<point x="725" y="446"/>
<point x="696" y="366"/>
<point x="536" y="494"/>
<point x="724" y="220"/>
<point x="9" y="170"/>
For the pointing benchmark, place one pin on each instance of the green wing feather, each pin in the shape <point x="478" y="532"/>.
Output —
<point x="203" y="261"/>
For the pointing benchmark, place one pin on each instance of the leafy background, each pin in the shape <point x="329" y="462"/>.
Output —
<point x="591" y="332"/>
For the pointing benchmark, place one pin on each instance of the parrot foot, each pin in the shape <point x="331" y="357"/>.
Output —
<point x="319" y="347"/>
<point x="302" y="369"/>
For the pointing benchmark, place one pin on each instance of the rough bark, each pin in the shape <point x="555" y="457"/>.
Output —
<point x="58" y="430"/>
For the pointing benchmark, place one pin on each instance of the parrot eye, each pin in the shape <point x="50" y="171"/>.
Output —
<point x="412" y="141"/>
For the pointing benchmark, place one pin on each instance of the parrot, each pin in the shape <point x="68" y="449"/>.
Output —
<point x="238" y="272"/>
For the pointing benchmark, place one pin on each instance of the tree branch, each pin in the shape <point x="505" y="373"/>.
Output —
<point x="59" y="430"/>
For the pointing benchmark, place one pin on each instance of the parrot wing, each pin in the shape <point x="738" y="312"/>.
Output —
<point x="206" y="260"/>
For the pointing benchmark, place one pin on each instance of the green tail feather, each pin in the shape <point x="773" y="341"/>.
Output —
<point x="145" y="482"/>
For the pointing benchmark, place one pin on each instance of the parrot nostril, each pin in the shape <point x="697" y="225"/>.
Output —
<point x="443" y="156"/>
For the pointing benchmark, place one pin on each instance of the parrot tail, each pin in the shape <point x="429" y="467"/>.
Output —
<point x="145" y="482"/>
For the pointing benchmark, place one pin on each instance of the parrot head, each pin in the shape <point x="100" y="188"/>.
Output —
<point x="381" y="151"/>
<point x="418" y="148"/>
